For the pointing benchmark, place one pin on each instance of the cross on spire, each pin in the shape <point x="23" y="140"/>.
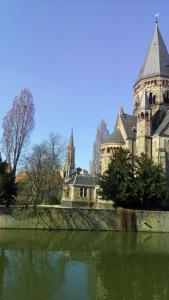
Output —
<point x="156" y="16"/>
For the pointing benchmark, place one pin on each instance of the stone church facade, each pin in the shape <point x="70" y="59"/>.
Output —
<point x="147" y="129"/>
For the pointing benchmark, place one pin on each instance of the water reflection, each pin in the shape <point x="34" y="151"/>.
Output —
<point x="83" y="265"/>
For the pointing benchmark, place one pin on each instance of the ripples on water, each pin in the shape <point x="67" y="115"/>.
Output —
<point x="59" y="265"/>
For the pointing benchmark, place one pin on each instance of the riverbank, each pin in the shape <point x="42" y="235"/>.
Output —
<point x="57" y="217"/>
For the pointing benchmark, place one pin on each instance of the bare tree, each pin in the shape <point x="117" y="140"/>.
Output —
<point x="43" y="183"/>
<point x="17" y="126"/>
<point x="101" y="135"/>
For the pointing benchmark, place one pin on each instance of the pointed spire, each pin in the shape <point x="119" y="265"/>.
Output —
<point x="69" y="164"/>
<point x="157" y="59"/>
<point x="144" y="103"/>
<point x="71" y="141"/>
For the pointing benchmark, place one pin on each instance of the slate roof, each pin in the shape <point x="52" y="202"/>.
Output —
<point x="129" y="123"/>
<point x="116" y="137"/>
<point x="144" y="104"/>
<point x="80" y="180"/>
<point x="158" y="119"/>
<point x="162" y="125"/>
<point x="157" y="59"/>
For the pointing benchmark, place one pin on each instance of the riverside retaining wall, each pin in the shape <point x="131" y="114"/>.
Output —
<point x="57" y="217"/>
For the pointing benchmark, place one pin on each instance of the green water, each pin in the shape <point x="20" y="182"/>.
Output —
<point x="40" y="265"/>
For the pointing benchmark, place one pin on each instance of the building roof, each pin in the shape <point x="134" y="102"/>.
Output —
<point x="158" y="118"/>
<point x="21" y="176"/>
<point x="80" y="180"/>
<point x="129" y="123"/>
<point x="163" y="125"/>
<point x="157" y="59"/>
<point x="144" y="103"/>
<point x="116" y="137"/>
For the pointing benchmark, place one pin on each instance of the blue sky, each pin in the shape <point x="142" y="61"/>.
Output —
<point x="79" y="59"/>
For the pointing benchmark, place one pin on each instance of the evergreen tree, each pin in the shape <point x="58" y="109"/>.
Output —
<point x="152" y="183"/>
<point x="135" y="182"/>
<point x="7" y="183"/>
<point x="118" y="182"/>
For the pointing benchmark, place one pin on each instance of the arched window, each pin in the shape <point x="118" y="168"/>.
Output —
<point x="166" y="97"/>
<point x="146" y="115"/>
<point x="142" y="115"/>
<point x="150" y="98"/>
<point x="102" y="151"/>
<point x="134" y="129"/>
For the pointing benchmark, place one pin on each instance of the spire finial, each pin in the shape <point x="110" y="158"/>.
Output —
<point x="121" y="111"/>
<point x="156" y="17"/>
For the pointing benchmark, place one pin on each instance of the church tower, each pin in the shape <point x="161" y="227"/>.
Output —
<point x="147" y="129"/>
<point x="154" y="76"/>
<point x="144" y="126"/>
<point x="69" y="164"/>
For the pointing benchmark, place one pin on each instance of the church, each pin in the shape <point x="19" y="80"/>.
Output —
<point x="147" y="129"/>
<point x="80" y="188"/>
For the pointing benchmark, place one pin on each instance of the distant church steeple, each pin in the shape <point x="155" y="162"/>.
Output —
<point x="69" y="164"/>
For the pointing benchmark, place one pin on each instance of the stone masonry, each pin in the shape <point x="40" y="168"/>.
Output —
<point x="147" y="129"/>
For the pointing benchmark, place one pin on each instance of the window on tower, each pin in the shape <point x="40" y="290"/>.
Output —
<point x="146" y="115"/>
<point x="166" y="97"/>
<point x="142" y="115"/>
<point x="150" y="98"/>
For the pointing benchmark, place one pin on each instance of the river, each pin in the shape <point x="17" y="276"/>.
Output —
<point x="83" y="265"/>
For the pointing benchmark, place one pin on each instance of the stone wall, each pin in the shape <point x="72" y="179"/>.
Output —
<point x="56" y="217"/>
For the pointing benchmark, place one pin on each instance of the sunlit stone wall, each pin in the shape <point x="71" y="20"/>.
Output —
<point x="83" y="218"/>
